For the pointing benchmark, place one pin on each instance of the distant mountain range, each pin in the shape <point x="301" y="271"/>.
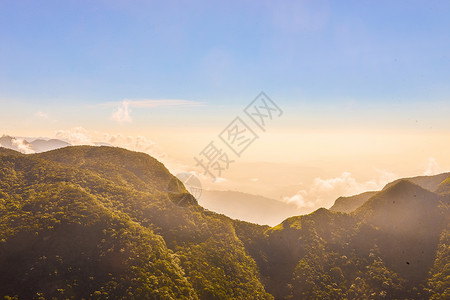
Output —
<point x="108" y="223"/>
<point x="35" y="146"/>
<point x="248" y="207"/>
<point x="263" y="210"/>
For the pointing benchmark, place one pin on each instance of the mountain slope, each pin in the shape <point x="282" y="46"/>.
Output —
<point x="349" y="204"/>
<point x="444" y="187"/>
<point x="58" y="240"/>
<point x="103" y="222"/>
<point x="408" y="221"/>
<point x="203" y="256"/>
<point x="386" y="248"/>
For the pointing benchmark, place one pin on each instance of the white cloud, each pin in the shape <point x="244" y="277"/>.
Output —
<point x="432" y="167"/>
<point x="81" y="136"/>
<point x="323" y="192"/>
<point x="75" y="136"/>
<point x="41" y="115"/>
<point x="122" y="114"/>
<point x="22" y="146"/>
<point x="299" y="200"/>
<point x="220" y="180"/>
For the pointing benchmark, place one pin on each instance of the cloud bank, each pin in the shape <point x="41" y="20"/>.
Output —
<point x="22" y="145"/>
<point x="81" y="136"/>
<point x="432" y="167"/>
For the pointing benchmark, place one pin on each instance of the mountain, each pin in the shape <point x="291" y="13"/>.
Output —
<point x="444" y="186"/>
<point x="394" y="246"/>
<point x="13" y="143"/>
<point x="432" y="183"/>
<point x="427" y="182"/>
<point x="41" y="145"/>
<point x="349" y="204"/>
<point x="247" y="207"/>
<point x="108" y="223"/>
<point x="98" y="222"/>
<point x="406" y="217"/>
<point x="36" y="146"/>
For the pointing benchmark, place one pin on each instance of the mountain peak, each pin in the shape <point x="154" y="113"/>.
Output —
<point x="401" y="194"/>
<point x="427" y="182"/>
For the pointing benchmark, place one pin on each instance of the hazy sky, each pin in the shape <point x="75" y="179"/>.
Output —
<point x="364" y="85"/>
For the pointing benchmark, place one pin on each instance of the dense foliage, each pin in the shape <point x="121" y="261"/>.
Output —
<point x="96" y="222"/>
<point x="99" y="223"/>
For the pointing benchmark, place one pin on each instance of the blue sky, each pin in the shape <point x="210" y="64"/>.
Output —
<point x="224" y="53"/>
<point x="364" y="85"/>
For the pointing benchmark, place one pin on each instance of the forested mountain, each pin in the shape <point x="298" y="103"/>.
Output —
<point x="107" y="223"/>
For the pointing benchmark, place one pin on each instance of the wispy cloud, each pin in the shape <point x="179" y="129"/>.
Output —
<point x="432" y="167"/>
<point x="22" y="145"/>
<point x="220" y="180"/>
<point x="41" y="115"/>
<point x="122" y="113"/>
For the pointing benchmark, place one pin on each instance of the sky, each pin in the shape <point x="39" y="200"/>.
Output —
<point x="363" y="85"/>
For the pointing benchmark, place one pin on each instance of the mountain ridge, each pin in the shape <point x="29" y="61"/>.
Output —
<point x="107" y="199"/>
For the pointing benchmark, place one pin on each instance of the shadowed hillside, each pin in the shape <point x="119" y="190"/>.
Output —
<point x="444" y="187"/>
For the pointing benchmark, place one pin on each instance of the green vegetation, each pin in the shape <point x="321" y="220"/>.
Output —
<point x="394" y="246"/>
<point x="350" y="204"/>
<point x="444" y="187"/>
<point x="98" y="223"/>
